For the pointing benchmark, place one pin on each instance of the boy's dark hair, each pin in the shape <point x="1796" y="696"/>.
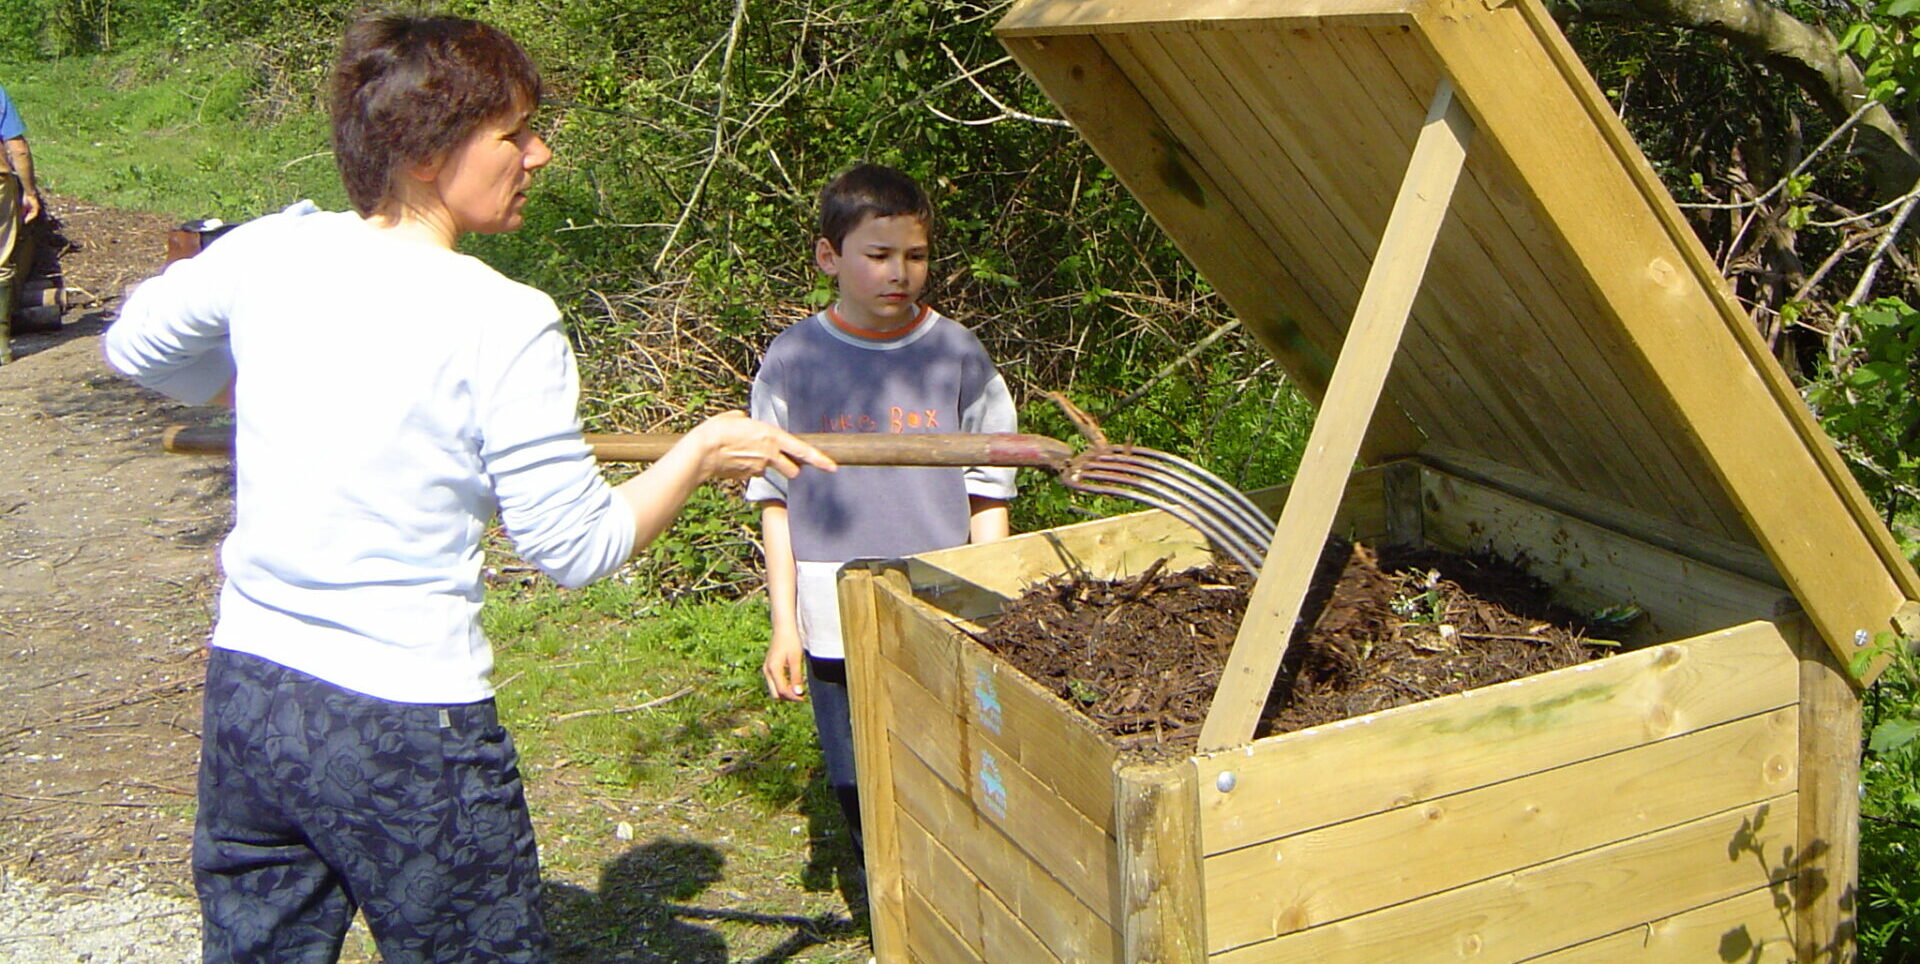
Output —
<point x="869" y="191"/>
<point x="407" y="90"/>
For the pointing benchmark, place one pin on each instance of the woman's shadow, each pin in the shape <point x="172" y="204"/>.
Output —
<point x="642" y="911"/>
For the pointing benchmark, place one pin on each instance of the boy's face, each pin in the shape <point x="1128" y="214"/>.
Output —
<point x="881" y="268"/>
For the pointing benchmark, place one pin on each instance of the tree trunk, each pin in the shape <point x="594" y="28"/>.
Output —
<point x="1805" y="53"/>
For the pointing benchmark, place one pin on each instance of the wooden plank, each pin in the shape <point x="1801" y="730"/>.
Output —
<point x="1565" y="902"/>
<point x="1334" y="443"/>
<point x="933" y="730"/>
<point x="1070" y="929"/>
<point x="1322" y="221"/>
<point x="1742" y="558"/>
<point x="931" y="938"/>
<point x="989" y="928"/>
<point x="1747" y="929"/>
<point x="1574" y="159"/>
<point x="1591" y="567"/>
<point x="1044" y="17"/>
<point x="1405" y="516"/>
<point x="1360" y="866"/>
<point x="944" y="884"/>
<point x="1826" y="887"/>
<point x="1490" y="284"/>
<point x="1110" y="112"/>
<point x="1412" y="754"/>
<point x="1467" y="304"/>
<point x="1162" y="894"/>
<point x="975" y="581"/>
<point x="1004" y="795"/>
<point x="872" y="711"/>
<point x="1064" y="751"/>
<point x="916" y="637"/>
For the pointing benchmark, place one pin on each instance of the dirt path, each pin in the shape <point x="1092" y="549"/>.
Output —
<point x="106" y="577"/>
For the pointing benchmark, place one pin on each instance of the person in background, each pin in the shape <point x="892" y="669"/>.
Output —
<point x="20" y="205"/>
<point x="876" y="360"/>
<point x="391" y="396"/>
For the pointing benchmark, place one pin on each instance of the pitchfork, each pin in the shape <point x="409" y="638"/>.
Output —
<point x="1167" y="482"/>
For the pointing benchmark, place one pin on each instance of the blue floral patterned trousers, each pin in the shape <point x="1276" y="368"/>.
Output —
<point x="317" y="800"/>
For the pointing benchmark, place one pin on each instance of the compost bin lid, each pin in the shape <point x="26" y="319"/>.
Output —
<point x="1569" y="329"/>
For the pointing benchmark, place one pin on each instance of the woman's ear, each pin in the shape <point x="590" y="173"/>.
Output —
<point x="426" y="171"/>
<point x="827" y="258"/>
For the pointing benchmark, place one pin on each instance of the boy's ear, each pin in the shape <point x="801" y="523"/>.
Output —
<point x="827" y="258"/>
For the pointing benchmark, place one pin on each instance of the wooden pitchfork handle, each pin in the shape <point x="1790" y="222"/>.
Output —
<point x="1004" y="449"/>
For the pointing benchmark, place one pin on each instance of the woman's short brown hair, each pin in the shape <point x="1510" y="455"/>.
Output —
<point x="407" y="90"/>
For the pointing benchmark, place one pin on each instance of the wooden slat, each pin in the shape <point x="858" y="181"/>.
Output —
<point x="1591" y="567"/>
<point x="1736" y="557"/>
<point x="1747" y="929"/>
<point x="932" y="729"/>
<point x="1064" y="751"/>
<point x="1004" y="795"/>
<point x="1318" y="227"/>
<point x="1070" y="929"/>
<point x="1352" y="868"/>
<point x="872" y="712"/>
<point x="1826" y="889"/>
<point x="1109" y="111"/>
<point x="1334" y="443"/>
<point x="1044" y="17"/>
<point x="977" y="580"/>
<point x="1162" y="892"/>
<point x="1402" y="756"/>
<point x="1555" y="905"/>
<point x="1491" y="284"/>
<point x="916" y="637"/>
<point x="931" y="938"/>
<point x="1526" y="387"/>
<point x="945" y="884"/>
<point x="1574" y="160"/>
<point x="990" y="929"/>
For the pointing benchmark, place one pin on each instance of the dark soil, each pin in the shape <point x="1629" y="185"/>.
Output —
<point x="1142" y="656"/>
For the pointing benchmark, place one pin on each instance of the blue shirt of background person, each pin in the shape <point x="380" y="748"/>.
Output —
<point x="13" y="132"/>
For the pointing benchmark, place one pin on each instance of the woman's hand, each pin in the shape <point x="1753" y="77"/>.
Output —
<point x="733" y="446"/>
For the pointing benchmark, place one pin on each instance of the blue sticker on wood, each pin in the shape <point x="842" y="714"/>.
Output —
<point x="986" y="699"/>
<point x="993" y="791"/>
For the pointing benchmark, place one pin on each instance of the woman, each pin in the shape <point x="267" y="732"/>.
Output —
<point x="391" y="396"/>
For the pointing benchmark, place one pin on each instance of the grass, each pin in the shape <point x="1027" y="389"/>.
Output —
<point x="169" y="134"/>
<point x="680" y="813"/>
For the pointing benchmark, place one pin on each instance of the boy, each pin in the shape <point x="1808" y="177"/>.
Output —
<point x="875" y="361"/>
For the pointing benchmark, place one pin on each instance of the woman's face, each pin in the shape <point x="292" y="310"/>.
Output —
<point x="482" y="183"/>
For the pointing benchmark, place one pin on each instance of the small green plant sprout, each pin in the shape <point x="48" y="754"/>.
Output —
<point x="1421" y="601"/>
<point x="1083" y="691"/>
<point x="1612" y="620"/>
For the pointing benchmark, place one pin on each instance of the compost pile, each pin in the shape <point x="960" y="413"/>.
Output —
<point x="1142" y="656"/>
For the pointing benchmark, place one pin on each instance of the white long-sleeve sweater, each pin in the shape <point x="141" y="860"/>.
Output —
<point x="390" y="398"/>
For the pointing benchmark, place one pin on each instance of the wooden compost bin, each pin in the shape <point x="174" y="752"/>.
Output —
<point x="1430" y="215"/>
<point x="1643" y="807"/>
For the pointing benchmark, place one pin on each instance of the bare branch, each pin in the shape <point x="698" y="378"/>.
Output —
<point x="1006" y="113"/>
<point x="719" y="134"/>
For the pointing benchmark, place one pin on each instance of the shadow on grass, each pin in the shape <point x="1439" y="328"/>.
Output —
<point x="645" y="908"/>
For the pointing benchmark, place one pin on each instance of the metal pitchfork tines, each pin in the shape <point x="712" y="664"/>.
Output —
<point x="1181" y="489"/>
<point x="1171" y="484"/>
